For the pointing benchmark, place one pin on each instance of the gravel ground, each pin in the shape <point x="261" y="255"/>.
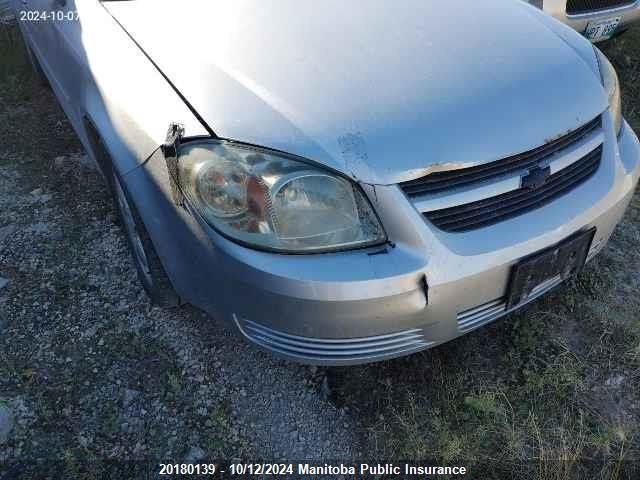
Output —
<point x="89" y="370"/>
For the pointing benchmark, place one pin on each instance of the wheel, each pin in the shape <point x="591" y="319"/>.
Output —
<point x="151" y="273"/>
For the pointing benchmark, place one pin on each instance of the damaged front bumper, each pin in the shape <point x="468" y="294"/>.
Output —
<point x="376" y="303"/>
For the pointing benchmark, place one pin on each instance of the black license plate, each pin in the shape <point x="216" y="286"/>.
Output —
<point x="530" y="276"/>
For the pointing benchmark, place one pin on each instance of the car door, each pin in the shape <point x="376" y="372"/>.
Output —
<point x="36" y="20"/>
<point x="48" y="25"/>
<point x="64" y="31"/>
<point x="54" y="31"/>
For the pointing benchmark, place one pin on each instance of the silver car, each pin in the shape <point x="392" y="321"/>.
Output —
<point x="596" y="19"/>
<point x="344" y="182"/>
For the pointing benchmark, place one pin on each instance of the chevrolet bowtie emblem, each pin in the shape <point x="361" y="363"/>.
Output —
<point x="536" y="178"/>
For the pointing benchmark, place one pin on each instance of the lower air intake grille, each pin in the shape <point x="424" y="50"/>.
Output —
<point x="576" y="7"/>
<point x="492" y="210"/>
<point x="327" y="351"/>
<point x="488" y="312"/>
<point x="476" y="317"/>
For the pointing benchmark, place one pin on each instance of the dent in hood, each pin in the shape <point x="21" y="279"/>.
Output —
<point x="382" y="92"/>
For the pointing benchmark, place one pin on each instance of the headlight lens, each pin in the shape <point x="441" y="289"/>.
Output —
<point x="271" y="201"/>
<point x="612" y="86"/>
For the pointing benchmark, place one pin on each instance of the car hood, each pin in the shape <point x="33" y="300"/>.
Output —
<point x="382" y="91"/>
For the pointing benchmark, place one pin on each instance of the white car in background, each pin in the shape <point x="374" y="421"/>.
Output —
<point x="596" y="19"/>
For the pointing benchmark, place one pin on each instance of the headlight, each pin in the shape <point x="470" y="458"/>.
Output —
<point x="270" y="201"/>
<point x="612" y="86"/>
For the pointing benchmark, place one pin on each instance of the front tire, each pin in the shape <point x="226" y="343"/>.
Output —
<point x="150" y="271"/>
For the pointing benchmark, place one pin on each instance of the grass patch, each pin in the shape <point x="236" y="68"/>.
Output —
<point x="552" y="392"/>
<point x="624" y="53"/>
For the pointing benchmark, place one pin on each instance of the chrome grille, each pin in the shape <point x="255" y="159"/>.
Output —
<point x="576" y="7"/>
<point x="448" y="180"/>
<point x="492" y="210"/>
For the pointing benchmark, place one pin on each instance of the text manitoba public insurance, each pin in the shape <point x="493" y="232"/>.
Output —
<point x="380" y="469"/>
